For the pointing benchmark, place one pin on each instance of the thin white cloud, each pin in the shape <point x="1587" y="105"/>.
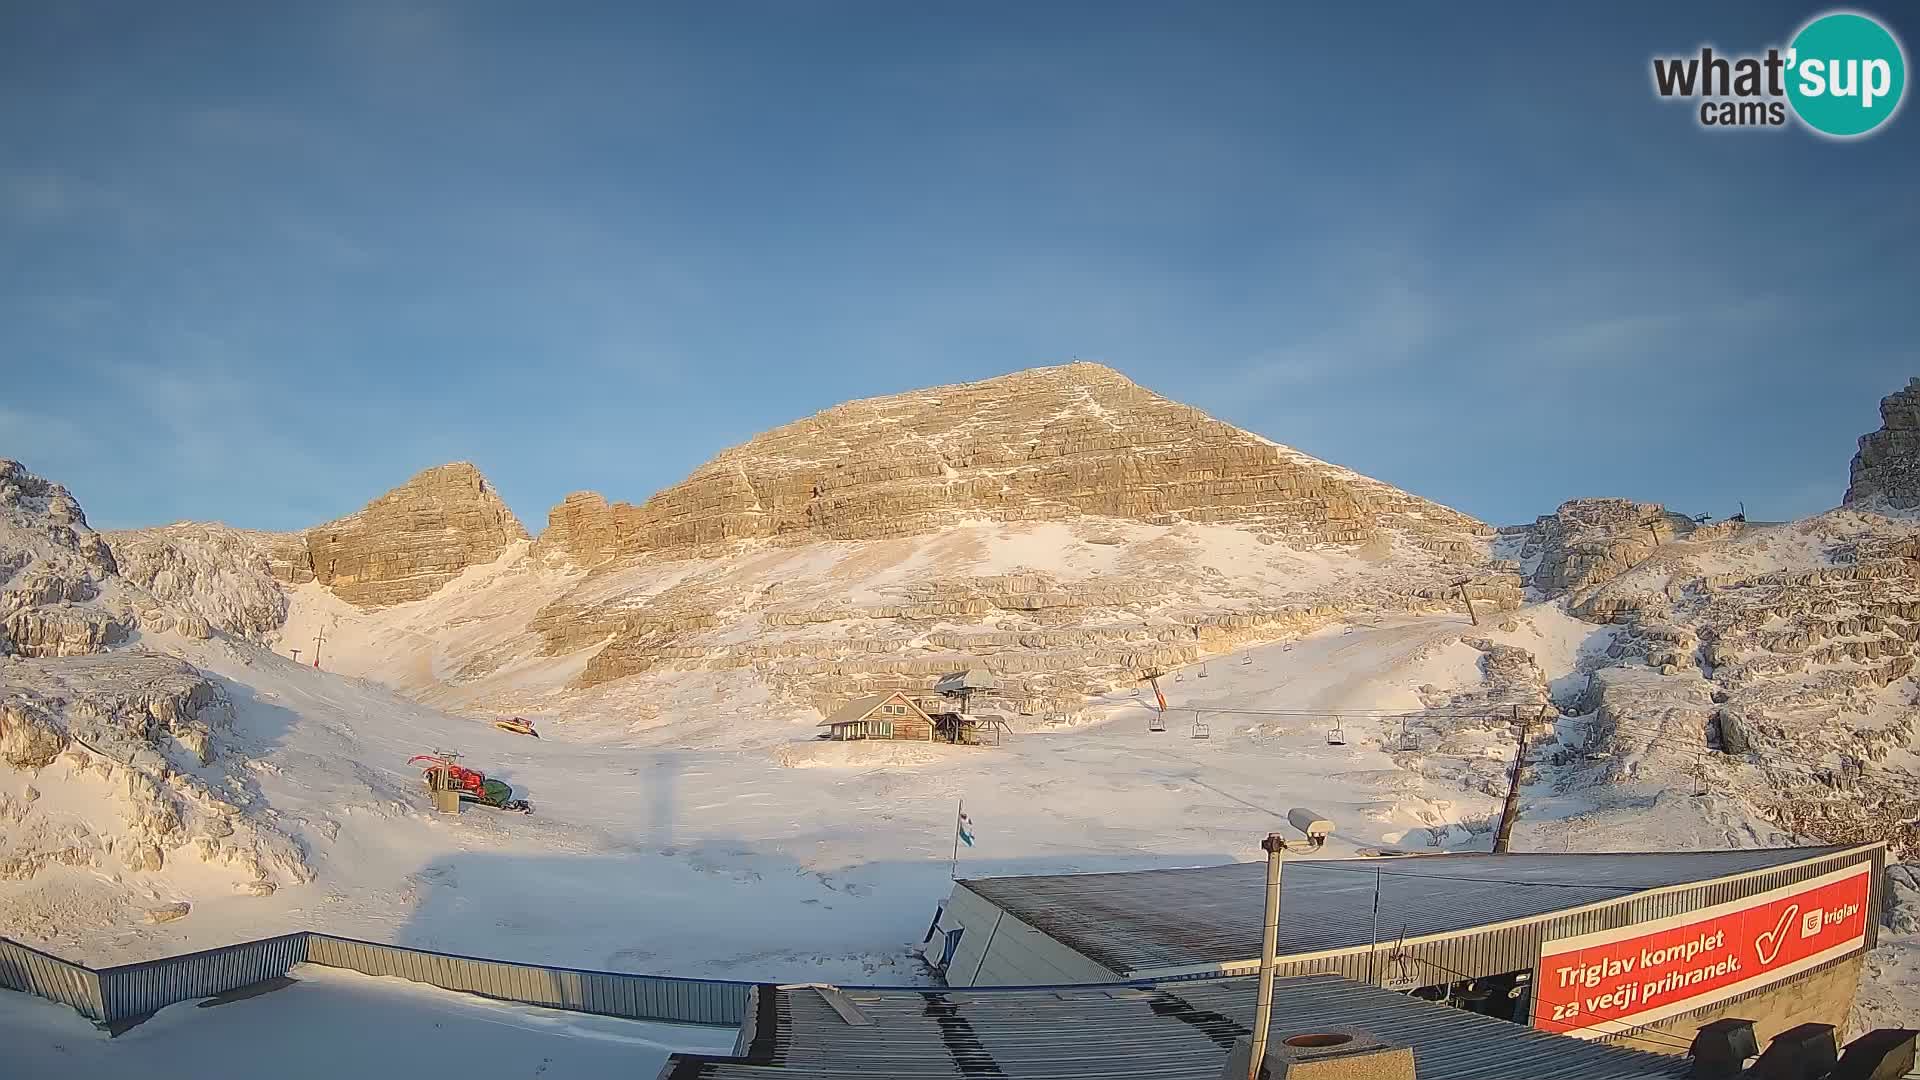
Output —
<point x="1387" y="326"/>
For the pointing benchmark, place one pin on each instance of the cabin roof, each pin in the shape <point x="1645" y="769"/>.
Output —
<point x="860" y="708"/>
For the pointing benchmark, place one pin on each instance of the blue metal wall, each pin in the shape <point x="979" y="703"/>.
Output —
<point x="34" y="972"/>
<point x="608" y="993"/>
<point x="132" y="990"/>
<point x="140" y="989"/>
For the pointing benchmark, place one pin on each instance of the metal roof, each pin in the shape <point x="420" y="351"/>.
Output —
<point x="970" y="679"/>
<point x="1174" y="1031"/>
<point x="1153" y="920"/>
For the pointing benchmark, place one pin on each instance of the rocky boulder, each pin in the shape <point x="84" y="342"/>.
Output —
<point x="29" y="737"/>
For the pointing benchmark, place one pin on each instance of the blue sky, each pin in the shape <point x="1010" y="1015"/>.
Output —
<point x="259" y="263"/>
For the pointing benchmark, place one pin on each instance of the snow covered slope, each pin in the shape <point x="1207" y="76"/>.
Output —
<point x="1691" y="686"/>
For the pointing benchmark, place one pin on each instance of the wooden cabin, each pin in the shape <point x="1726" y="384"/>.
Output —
<point x="891" y="715"/>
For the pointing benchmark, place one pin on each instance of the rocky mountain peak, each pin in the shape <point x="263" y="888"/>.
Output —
<point x="1044" y="444"/>
<point x="407" y="543"/>
<point x="1887" y="468"/>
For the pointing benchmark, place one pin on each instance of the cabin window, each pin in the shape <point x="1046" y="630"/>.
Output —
<point x="882" y="728"/>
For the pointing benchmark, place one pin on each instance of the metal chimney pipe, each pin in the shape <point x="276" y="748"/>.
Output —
<point x="1273" y="845"/>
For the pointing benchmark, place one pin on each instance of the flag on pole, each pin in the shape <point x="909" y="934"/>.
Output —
<point x="962" y="831"/>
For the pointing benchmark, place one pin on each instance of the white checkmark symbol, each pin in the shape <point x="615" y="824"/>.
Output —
<point x="1773" y="937"/>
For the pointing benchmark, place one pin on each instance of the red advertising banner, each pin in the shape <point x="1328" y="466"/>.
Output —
<point x="1595" y="984"/>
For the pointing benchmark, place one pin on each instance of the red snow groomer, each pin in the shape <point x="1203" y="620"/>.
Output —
<point x="472" y="784"/>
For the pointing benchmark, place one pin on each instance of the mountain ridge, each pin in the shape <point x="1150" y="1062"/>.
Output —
<point x="1047" y="443"/>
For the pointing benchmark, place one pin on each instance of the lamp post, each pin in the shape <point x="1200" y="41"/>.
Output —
<point x="1317" y="829"/>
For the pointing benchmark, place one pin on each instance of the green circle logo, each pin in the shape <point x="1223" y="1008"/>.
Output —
<point x="1846" y="74"/>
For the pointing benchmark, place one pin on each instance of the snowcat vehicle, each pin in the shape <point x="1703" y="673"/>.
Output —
<point x="472" y="784"/>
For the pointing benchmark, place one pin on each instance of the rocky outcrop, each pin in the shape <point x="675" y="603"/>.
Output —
<point x="225" y="578"/>
<point x="1886" y="470"/>
<point x="409" y="542"/>
<point x="1588" y="542"/>
<point x="59" y="592"/>
<point x="580" y="529"/>
<point x="1771" y="660"/>
<point x="146" y="732"/>
<point x="1048" y="444"/>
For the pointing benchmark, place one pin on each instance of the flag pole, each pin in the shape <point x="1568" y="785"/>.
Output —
<point x="959" y="815"/>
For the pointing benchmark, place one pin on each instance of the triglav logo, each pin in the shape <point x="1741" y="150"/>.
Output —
<point x="1843" y="75"/>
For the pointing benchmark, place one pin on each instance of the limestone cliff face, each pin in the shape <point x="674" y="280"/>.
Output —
<point x="1048" y="444"/>
<point x="1887" y="468"/>
<point x="580" y="528"/>
<point x="408" y="542"/>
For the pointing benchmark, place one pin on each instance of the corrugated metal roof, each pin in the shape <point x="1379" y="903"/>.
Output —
<point x="1176" y="1031"/>
<point x="1153" y="920"/>
<point x="970" y="679"/>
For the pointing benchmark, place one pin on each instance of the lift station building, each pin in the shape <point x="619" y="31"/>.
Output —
<point x="1597" y="946"/>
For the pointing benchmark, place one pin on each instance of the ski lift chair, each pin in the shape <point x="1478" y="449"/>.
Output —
<point x="1157" y="722"/>
<point x="1201" y="729"/>
<point x="1336" y="735"/>
<point x="1409" y="739"/>
<point x="1203" y="671"/>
